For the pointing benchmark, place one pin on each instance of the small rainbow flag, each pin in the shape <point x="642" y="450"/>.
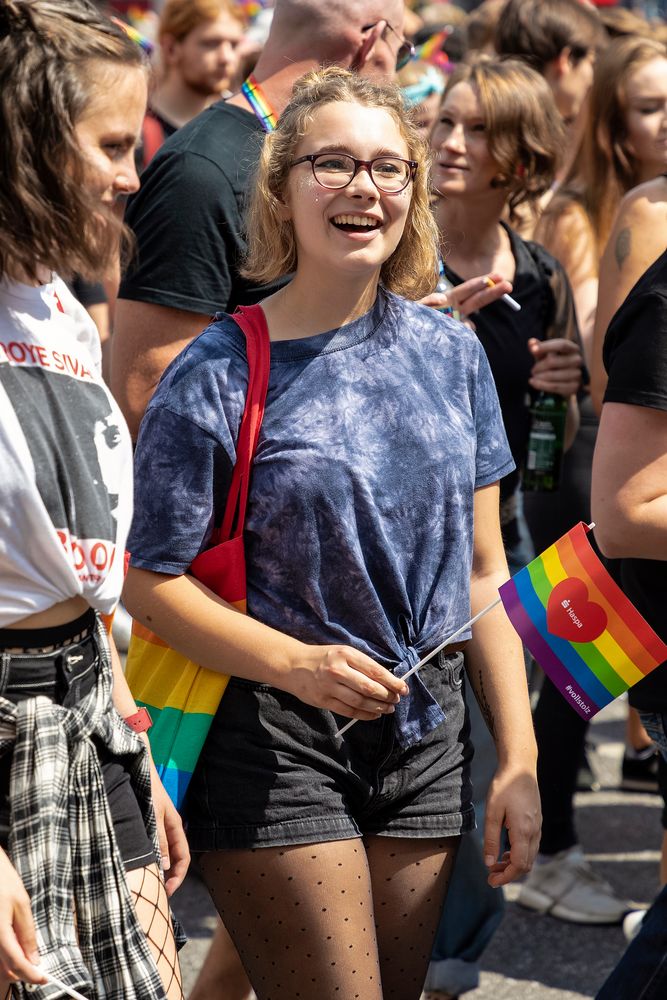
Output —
<point x="431" y="50"/>
<point x="580" y="627"/>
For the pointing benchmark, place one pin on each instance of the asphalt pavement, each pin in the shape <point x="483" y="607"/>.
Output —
<point x="535" y="957"/>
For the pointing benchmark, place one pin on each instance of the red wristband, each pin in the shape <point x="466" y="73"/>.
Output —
<point x="140" y="721"/>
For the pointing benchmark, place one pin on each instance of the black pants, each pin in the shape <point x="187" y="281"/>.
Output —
<point x="560" y="731"/>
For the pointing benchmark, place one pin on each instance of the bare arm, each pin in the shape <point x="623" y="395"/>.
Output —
<point x="566" y="233"/>
<point x="146" y="338"/>
<point x="629" y="488"/>
<point x="495" y="667"/>
<point x="636" y="241"/>
<point x="199" y="624"/>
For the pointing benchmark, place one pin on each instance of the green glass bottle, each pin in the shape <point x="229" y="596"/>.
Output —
<point x="544" y="456"/>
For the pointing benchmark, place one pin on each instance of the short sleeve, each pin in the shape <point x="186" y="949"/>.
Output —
<point x="183" y="219"/>
<point x="635" y="352"/>
<point x="494" y="458"/>
<point x="182" y="478"/>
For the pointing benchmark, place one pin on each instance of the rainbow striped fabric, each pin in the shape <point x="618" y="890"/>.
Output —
<point x="256" y="98"/>
<point x="181" y="696"/>
<point x="580" y="627"/>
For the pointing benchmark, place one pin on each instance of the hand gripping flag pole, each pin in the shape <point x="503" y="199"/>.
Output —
<point x="578" y="624"/>
<point x="429" y="656"/>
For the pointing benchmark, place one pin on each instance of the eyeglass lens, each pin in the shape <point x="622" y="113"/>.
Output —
<point x="406" y="49"/>
<point x="336" y="171"/>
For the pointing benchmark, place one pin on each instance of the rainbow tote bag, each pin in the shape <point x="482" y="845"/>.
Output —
<point x="181" y="696"/>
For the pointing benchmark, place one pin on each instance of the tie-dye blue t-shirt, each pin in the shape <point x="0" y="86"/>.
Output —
<point x="360" y="517"/>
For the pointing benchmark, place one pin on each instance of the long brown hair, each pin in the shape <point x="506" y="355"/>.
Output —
<point x="412" y="268"/>
<point x="50" y="51"/>
<point x="605" y="169"/>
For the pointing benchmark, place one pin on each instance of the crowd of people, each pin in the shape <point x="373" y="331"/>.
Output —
<point x="418" y="221"/>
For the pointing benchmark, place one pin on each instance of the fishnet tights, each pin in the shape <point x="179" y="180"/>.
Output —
<point x="150" y="900"/>
<point x="346" y="919"/>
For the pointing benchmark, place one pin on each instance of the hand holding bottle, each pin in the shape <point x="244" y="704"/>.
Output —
<point x="558" y="366"/>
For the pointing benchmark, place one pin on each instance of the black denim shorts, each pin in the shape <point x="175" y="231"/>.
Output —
<point x="272" y="772"/>
<point x="65" y="676"/>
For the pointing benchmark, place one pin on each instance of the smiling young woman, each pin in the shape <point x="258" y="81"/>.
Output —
<point x="378" y="460"/>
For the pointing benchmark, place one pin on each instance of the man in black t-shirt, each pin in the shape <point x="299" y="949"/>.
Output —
<point x="629" y="506"/>
<point x="188" y="215"/>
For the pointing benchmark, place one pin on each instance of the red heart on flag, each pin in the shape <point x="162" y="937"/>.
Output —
<point x="571" y="616"/>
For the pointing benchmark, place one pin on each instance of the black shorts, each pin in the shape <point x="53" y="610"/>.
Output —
<point x="272" y="772"/>
<point x="65" y="676"/>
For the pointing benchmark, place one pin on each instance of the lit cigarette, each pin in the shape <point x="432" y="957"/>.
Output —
<point x="512" y="303"/>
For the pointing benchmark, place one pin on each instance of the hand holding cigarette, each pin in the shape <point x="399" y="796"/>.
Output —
<point x="472" y="295"/>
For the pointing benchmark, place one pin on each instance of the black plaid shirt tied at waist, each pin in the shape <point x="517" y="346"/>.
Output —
<point x="63" y="846"/>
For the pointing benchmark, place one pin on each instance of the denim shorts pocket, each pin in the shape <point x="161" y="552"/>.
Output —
<point x="78" y="673"/>
<point x="451" y="666"/>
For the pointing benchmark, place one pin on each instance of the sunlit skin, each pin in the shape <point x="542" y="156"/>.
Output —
<point x="108" y="130"/>
<point x="381" y="61"/>
<point x="646" y="118"/>
<point x="322" y="248"/>
<point x="570" y="82"/>
<point x="426" y="114"/>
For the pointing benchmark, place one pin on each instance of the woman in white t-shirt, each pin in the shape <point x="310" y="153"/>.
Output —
<point x="83" y="900"/>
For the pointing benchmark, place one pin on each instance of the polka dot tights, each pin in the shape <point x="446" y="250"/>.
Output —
<point x="346" y="919"/>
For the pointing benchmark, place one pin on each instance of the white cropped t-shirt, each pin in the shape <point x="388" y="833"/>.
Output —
<point x="65" y="457"/>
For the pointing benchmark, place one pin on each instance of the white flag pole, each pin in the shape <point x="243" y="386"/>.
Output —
<point x="429" y="656"/>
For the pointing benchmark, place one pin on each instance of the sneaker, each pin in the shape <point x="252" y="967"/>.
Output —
<point x="632" y="924"/>
<point x="639" y="771"/>
<point x="568" y="888"/>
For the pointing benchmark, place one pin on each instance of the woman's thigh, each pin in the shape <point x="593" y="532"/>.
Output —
<point x="324" y="920"/>
<point x="409" y="879"/>
<point x="301" y="918"/>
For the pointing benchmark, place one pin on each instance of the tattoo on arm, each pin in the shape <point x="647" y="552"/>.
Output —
<point x="485" y="709"/>
<point x="622" y="247"/>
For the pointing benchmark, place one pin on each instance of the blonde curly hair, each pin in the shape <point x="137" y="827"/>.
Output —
<point x="412" y="268"/>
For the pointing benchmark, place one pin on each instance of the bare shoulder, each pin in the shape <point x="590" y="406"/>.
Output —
<point x="645" y="202"/>
<point x="638" y="235"/>
<point x="566" y="232"/>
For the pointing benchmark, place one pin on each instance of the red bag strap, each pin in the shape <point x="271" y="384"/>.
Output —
<point x="252" y="321"/>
